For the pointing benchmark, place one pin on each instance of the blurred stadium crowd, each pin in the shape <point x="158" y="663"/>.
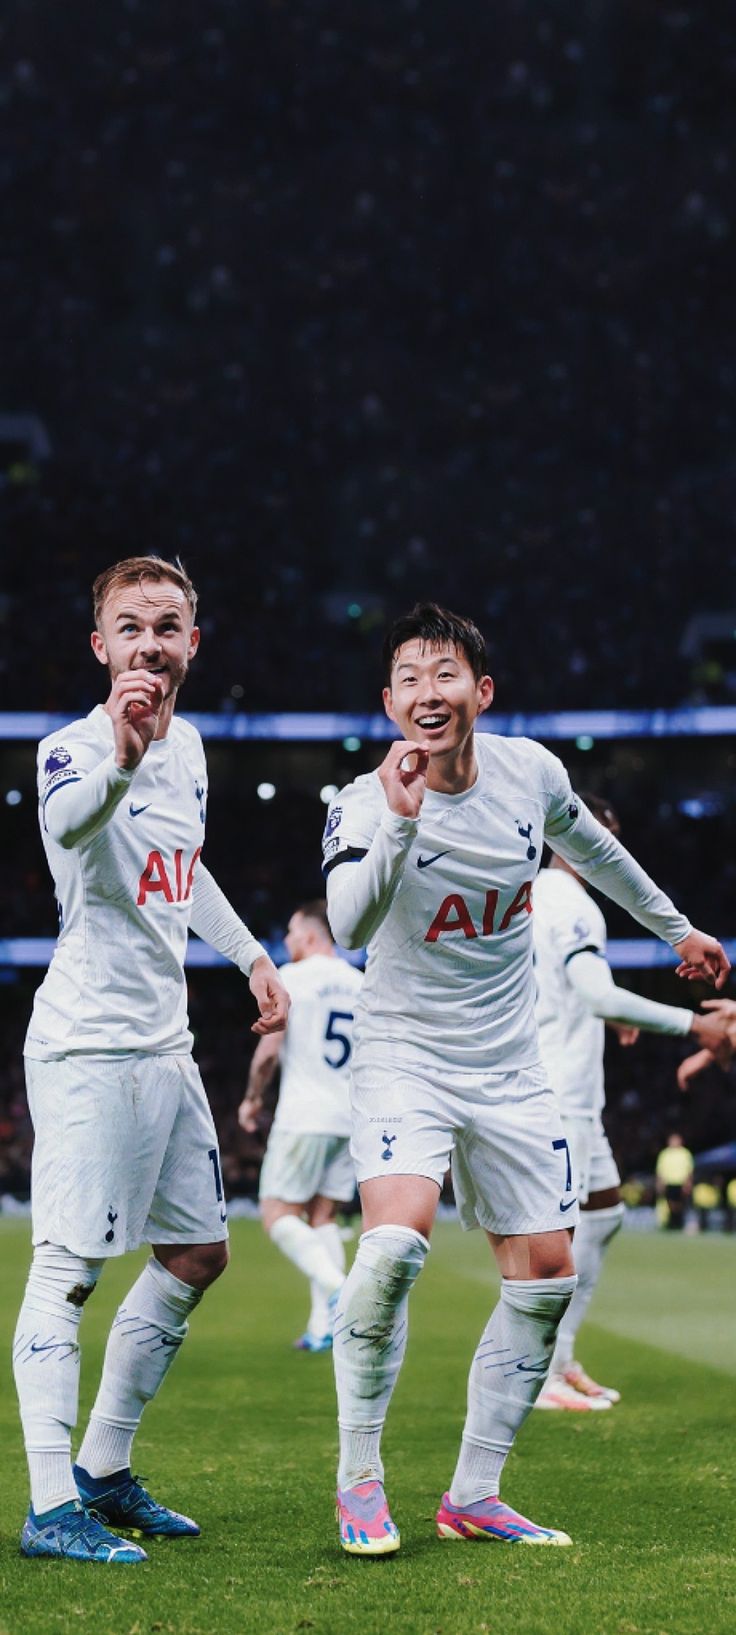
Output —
<point x="350" y="307"/>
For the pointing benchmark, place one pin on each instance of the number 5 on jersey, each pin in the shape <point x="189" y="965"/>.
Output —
<point x="339" y="1036"/>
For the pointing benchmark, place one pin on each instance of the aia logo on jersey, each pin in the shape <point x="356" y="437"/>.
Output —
<point x="171" y="881"/>
<point x="57" y="759"/>
<point x="453" y="914"/>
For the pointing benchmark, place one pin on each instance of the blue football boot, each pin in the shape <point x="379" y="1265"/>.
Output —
<point x="122" y="1501"/>
<point x="69" y="1532"/>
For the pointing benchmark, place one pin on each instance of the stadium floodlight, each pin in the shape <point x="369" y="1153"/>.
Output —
<point x="351" y="743"/>
<point x="266" y="791"/>
<point x="13" y="797"/>
<point x="328" y="793"/>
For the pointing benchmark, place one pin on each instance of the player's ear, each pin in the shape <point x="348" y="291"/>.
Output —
<point x="98" y="646"/>
<point x="194" y="635"/>
<point x="485" y="693"/>
<point x="388" y="705"/>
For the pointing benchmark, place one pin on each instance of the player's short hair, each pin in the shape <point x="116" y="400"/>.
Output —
<point x="133" y="570"/>
<point x="602" y="810"/>
<point x="434" y="626"/>
<point x="316" y="909"/>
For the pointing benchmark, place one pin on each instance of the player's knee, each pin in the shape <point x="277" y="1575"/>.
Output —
<point x="215" y="1261"/>
<point x="544" y="1298"/>
<point x="395" y="1255"/>
<point x="59" y="1279"/>
<point x="198" y="1264"/>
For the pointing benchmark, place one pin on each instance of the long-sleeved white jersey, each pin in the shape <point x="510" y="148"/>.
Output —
<point x="124" y="852"/>
<point x="445" y="906"/>
<point x="576" y="993"/>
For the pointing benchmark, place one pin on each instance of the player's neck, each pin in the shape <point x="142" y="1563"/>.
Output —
<point x="455" y="772"/>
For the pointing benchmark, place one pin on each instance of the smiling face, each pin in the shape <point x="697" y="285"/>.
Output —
<point x="147" y="626"/>
<point x="434" y="696"/>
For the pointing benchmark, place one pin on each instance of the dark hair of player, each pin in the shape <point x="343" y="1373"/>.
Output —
<point x="602" y="810"/>
<point x="135" y="570"/>
<point x="316" y="909"/>
<point x="434" y="626"/>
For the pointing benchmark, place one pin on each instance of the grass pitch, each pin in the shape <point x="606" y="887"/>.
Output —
<point x="242" y="1438"/>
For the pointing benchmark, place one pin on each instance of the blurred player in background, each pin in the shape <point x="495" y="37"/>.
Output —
<point x="307" y="1170"/>
<point x="430" y="861"/>
<point x="674" y="1182"/>
<point x="576" y="996"/>
<point x="125" y="1147"/>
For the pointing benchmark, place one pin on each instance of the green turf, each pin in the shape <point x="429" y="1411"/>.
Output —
<point x="242" y="1437"/>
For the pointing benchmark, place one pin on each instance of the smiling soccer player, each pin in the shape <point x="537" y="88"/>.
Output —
<point x="125" y="1146"/>
<point x="430" y="860"/>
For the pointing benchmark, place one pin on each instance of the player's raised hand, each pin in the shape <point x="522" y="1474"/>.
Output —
<point x="270" y="995"/>
<point x="702" y="959"/>
<point x="404" y="777"/>
<point x="134" y="707"/>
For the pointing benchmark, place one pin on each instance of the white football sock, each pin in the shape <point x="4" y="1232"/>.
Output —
<point x="46" y="1366"/>
<point x="301" y="1245"/>
<point x="146" y="1334"/>
<point x="369" y="1343"/>
<point x="596" y="1229"/>
<point x="320" y="1319"/>
<point x="507" y="1373"/>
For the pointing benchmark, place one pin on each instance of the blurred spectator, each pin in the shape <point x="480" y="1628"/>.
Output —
<point x="674" y="1173"/>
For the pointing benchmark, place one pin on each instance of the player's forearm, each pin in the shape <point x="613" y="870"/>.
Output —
<point x="591" y="978"/>
<point x="215" y="920"/>
<point x="260" y="1076"/>
<point x="599" y="857"/>
<point x="76" y="811"/>
<point x="359" y="895"/>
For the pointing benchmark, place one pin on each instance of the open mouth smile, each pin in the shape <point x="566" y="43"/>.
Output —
<point x="432" y="722"/>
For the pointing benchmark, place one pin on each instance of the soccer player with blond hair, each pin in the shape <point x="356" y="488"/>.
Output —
<point x="125" y="1146"/>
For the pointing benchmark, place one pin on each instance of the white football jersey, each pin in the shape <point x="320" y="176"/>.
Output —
<point x="116" y="979"/>
<point x="449" y="977"/>
<point x="567" y="922"/>
<point x="317" y="1049"/>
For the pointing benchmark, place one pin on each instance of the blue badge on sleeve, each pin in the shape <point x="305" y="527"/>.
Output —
<point x="57" y="759"/>
<point x="333" y="822"/>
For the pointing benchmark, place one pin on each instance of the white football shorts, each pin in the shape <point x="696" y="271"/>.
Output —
<point x="125" y="1153"/>
<point x="297" y="1166"/>
<point x="501" y="1134"/>
<point x="593" y="1164"/>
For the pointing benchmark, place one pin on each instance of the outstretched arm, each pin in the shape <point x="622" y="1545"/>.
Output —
<point x="590" y="976"/>
<point x="600" y="858"/>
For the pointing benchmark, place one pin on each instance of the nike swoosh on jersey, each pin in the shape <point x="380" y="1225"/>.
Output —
<point x="564" y="1207"/>
<point x="424" y="862"/>
<point x="135" y="811"/>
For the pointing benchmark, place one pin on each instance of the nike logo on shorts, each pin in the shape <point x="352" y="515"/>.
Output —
<point x="135" y="811"/>
<point x="424" y="862"/>
<point x="564" y="1207"/>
